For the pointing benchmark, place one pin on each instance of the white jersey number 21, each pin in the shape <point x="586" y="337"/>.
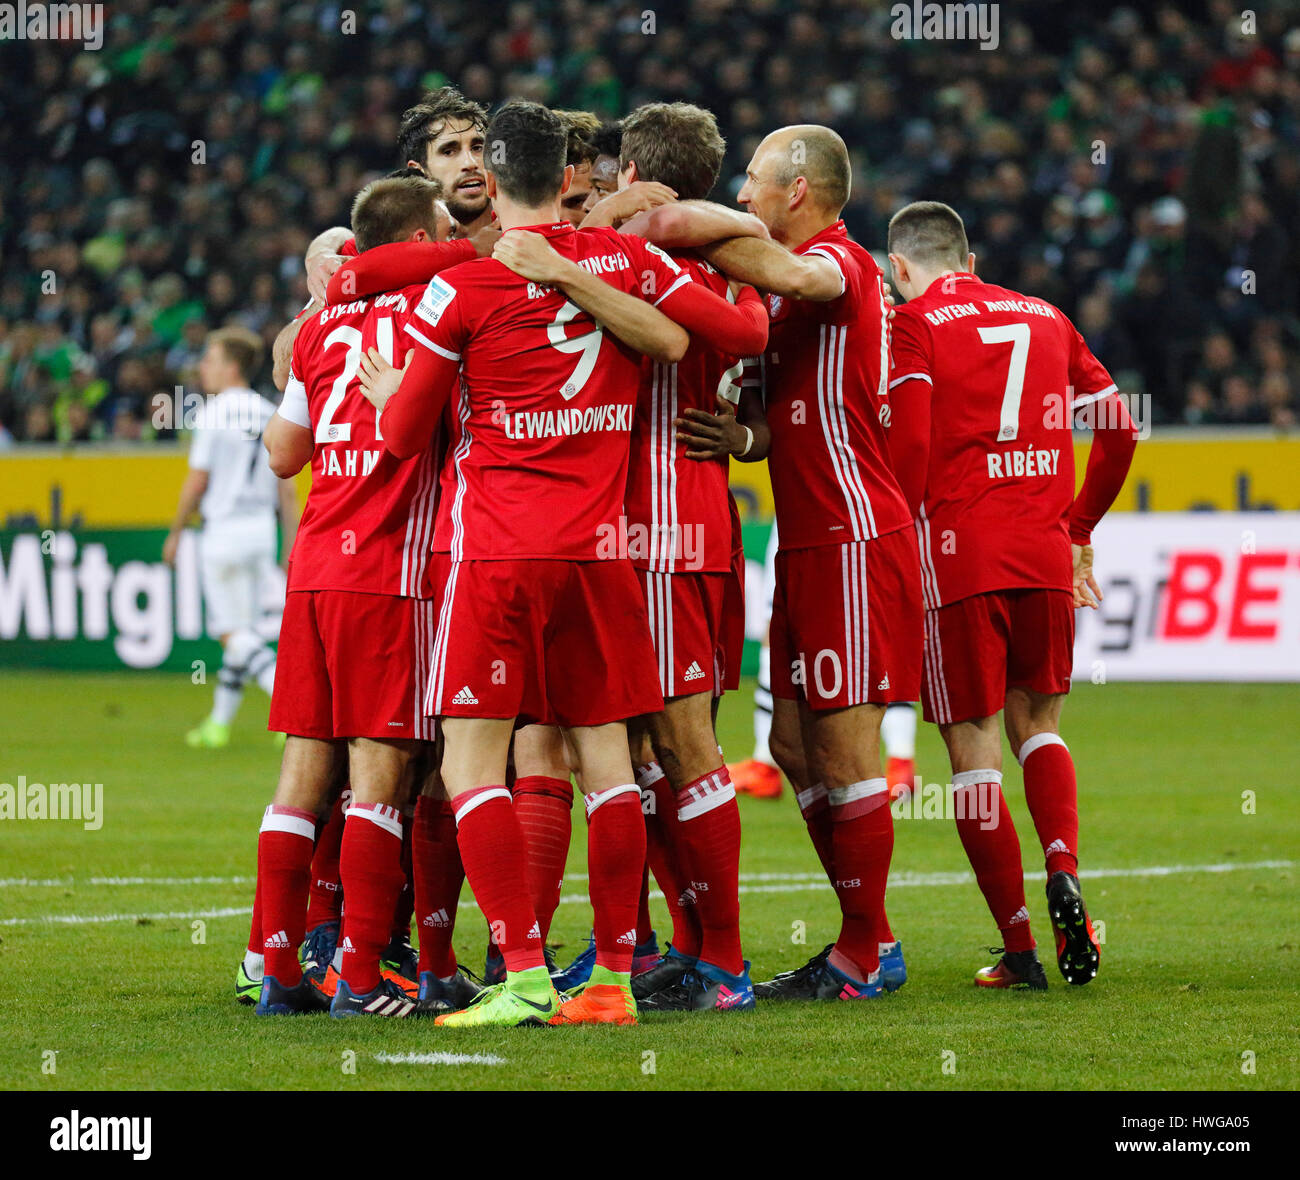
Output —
<point x="327" y="430"/>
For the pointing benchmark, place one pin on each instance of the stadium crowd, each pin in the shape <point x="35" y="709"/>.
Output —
<point x="1140" y="168"/>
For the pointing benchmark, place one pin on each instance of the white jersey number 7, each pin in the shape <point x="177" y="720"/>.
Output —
<point x="1017" y="335"/>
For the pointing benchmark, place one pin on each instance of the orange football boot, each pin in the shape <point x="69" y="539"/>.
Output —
<point x="598" y="1003"/>
<point x="328" y="984"/>
<point x="756" y="778"/>
<point x="899" y="773"/>
<point x="1016" y="969"/>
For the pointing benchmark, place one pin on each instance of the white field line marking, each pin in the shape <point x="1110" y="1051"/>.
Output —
<point x="795" y="885"/>
<point x="92" y="919"/>
<point x="438" y="1059"/>
<point x="897" y="880"/>
<point x="71" y="882"/>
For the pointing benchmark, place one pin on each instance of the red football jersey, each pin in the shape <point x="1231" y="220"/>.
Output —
<point x="538" y="454"/>
<point x="369" y="516"/>
<point x="678" y="510"/>
<point x="1004" y="372"/>
<point x="824" y="386"/>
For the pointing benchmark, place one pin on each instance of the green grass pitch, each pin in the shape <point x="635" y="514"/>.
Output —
<point x="1198" y="896"/>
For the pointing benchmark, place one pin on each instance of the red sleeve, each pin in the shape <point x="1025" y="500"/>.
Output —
<point x="438" y="329"/>
<point x="349" y="248"/>
<point x="910" y="388"/>
<point x="412" y="413"/>
<point x="737" y="329"/>
<point x="394" y="266"/>
<point x="910" y="348"/>
<point x="909" y="440"/>
<point x="1114" y="440"/>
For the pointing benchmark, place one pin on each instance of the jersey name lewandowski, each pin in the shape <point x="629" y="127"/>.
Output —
<point x="1004" y="372"/>
<point x="369" y="517"/>
<point x="540" y="424"/>
<point x="825" y="375"/>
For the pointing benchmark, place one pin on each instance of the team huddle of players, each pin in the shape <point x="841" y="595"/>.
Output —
<point x="520" y="565"/>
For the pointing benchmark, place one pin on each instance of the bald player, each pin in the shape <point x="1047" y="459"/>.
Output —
<point x="847" y="617"/>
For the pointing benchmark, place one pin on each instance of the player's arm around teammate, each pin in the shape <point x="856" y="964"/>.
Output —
<point x="633" y="321"/>
<point x="754" y="257"/>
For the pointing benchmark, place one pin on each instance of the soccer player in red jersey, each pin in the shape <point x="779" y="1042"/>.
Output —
<point x="442" y="136"/>
<point x="542" y="792"/>
<point x="359" y="599"/>
<point x="607" y="141"/>
<point x="681" y="540"/>
<point x="984" y="391"/>
<point x="846" y="623"/>
<point x="540" y="620"/>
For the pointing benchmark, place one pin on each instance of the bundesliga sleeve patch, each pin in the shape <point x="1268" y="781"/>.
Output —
<point x="437" y="298"/>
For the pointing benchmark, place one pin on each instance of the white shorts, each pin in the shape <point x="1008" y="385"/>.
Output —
<point x="243" y="587"/>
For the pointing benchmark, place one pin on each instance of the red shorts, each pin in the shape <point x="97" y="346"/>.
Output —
<point x="686" y="624"/>
<point x="733" y="618"/>
<point x="846" y="623"/>
<point x="553" y="642"/>
<point x="978" y="647"/>
<point x="350" y="665"/>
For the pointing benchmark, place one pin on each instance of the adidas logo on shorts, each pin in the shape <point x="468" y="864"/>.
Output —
<point x="437" y="918"/>
<point x="277" y="941"/>
<point x="464" y="697"/>
<point x="883" y="686"/>
<point x="693" y="672"/>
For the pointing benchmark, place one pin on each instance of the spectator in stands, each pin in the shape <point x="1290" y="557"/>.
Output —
<point x="1139" y="166"/>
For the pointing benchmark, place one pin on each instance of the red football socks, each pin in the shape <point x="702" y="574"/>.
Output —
<point x="405" y="907"/>
<point x="862" y="843"/>
<point x="325" y="899"/>
<point x="708" y="829"/>
<point x="659" y="805"/>
<point x="815" y="808"/>
<point x="544" y="809"/>
<point x="1053" y="797"/>
<point x="284" y="848"/>
<point x="370" y="864"/>
<point x="492" y="851"/>
<point x="437" y="875"/>
<point x="989" y="836"/>
<point x="616" y="845"/>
